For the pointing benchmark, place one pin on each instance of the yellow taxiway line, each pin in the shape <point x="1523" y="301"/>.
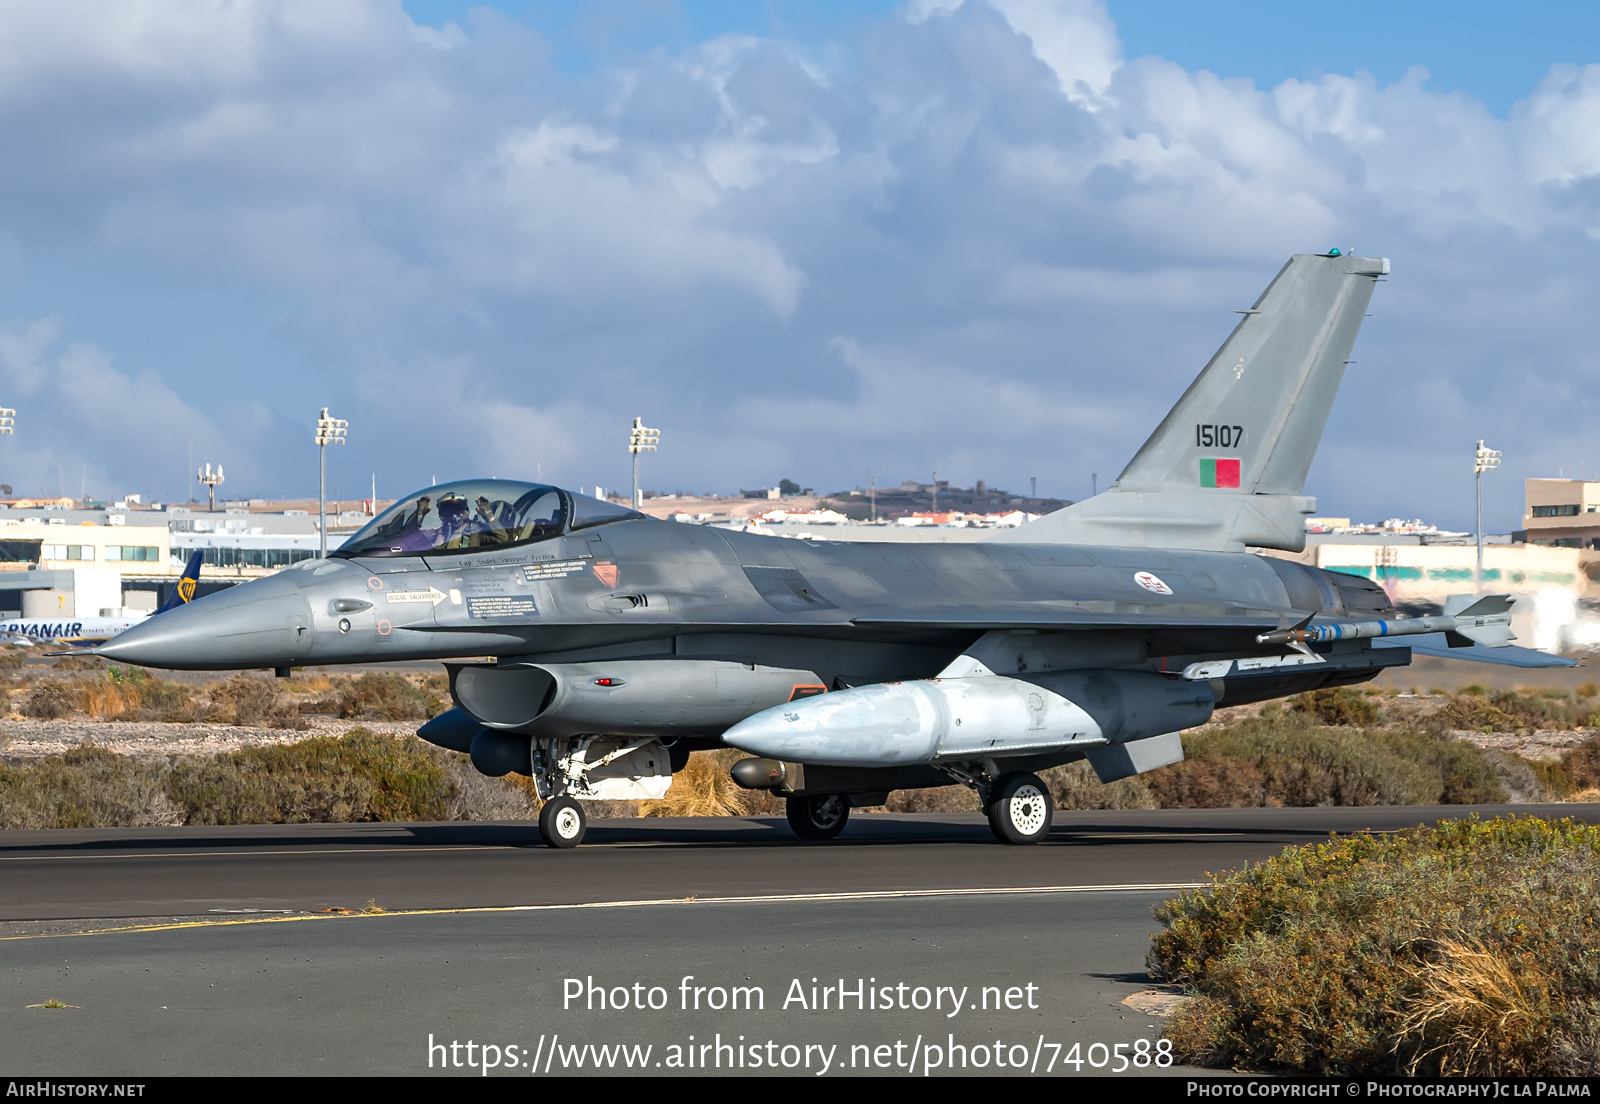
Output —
<point x="861" y="895"/>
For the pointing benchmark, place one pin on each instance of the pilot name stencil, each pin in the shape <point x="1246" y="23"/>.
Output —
<point x="556" y="569"/>
<point x="505" y="605"/>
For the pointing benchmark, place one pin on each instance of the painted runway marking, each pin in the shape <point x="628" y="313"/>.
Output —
<point x="779" y="898"/>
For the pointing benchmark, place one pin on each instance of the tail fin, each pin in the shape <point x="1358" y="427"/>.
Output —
<point x="1228" y="464"/>
<point x="184" y="591"/>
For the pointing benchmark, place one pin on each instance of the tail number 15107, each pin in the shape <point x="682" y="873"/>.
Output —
<point x="1219" y="436"/>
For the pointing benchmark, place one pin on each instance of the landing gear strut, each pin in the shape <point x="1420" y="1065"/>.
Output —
<point x="564" y="767"/>
<point x="819" y="816"/>
<point x="1018" y="805"/>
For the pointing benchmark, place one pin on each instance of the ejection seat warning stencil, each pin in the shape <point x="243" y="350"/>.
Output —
<point x="555" y="569"/>
<point x="502" y="605"/>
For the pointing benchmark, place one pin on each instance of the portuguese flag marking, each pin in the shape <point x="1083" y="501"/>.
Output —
<point x="1220" y="472"/>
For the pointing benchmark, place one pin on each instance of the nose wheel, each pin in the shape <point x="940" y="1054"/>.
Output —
<point x="562" y="822"/>
<point x="1019" y="809"/>
<point x="819" y="816"/>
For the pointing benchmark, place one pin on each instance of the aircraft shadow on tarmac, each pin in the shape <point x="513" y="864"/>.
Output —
<point x="1119" y="828"/>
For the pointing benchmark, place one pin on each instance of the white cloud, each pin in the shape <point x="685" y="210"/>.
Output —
<point x="1032" y="242"/>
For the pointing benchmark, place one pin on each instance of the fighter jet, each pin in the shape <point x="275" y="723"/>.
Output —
<point x="619" y="643"/>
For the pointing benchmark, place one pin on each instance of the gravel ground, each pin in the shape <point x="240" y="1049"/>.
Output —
<point x="23" y="740"/>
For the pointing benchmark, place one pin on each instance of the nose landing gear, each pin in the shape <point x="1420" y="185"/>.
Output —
<point x="562" y="822"/>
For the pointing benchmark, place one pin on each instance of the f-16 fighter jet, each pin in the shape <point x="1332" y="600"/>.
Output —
<point x="847" y="670"/>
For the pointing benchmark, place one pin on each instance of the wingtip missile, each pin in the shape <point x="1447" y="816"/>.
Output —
<point x="1487" y="621"/>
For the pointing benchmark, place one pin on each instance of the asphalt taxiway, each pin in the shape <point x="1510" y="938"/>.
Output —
<point x="206" y="950"/>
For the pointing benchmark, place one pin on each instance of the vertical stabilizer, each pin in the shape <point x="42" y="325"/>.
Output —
<point x="1227" y="466"/>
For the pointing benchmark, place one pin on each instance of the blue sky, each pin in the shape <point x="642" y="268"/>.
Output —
<point x="1494" y="51"/>
<point x="993" y="239"/>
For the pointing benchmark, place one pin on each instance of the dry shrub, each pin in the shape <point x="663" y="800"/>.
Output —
<point x="1286" y="758"/>
<point x="380" y="696"/>
<point x="1582" y="764"/>
<point x="88" y="787"/>
<point x="1476" y="1015"/>
<point x="1213" y="781"/>
<point x="1075" y="786"/>
<point x="11" y="657"/>
<point x="172" y="702"/>
<point x="254" y="702"/>
<point x="937" y="799"/>
<point x="360" y="776"/>
<point x="1478" y="710"/>
<point x="702" y="788"/>
<point x="105" y="700"/>
<point x="1588" y="690"/>
<point x="53" y="699"/>
<point x="77" y="663"/>
<point x="479" y="797"/>
<point x="1466" y="946"/>
<point x="1339" y="705"/>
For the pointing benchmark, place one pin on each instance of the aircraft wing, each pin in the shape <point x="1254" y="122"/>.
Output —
<point x="1509" y="655"/>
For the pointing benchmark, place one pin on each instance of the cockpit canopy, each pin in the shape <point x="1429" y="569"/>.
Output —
<point x="476" y="514"/>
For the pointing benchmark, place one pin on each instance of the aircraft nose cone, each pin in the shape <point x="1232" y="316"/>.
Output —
<point x="256" y="624"/>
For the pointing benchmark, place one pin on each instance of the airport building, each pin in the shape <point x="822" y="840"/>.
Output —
<point x="1563" y="513"/>
<point x="59" y="562"/>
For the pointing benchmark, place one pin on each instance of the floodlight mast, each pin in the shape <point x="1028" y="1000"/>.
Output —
<point x="330" y="431"/>
<point x="641" y="438"/>
<point x="8" y="422"/>
<point x="1484" y="460"/>
<point x="211" y="479"/>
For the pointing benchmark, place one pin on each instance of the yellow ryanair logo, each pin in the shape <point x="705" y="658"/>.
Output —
<point x="186" y="589"/>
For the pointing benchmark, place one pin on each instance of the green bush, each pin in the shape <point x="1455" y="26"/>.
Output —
<point x="1466" y="948"/>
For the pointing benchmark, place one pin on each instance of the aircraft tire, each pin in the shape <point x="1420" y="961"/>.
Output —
<point x="562" y="822"/>
<point x="1020" y="809"/>
<point x="818" y="816"/>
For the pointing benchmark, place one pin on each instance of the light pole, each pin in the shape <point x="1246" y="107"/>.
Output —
<point x="1484" y="460"/>
<point x="8" y="423"/>
<point x="211" y="479"/>
<point x="329" y="431"/>
<point x="641" y="438"/>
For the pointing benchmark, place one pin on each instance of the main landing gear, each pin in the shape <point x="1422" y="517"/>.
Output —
<point x="819" y="816"/>
<point x="1019" y="808"/>
<point x="1018" y="804"/>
